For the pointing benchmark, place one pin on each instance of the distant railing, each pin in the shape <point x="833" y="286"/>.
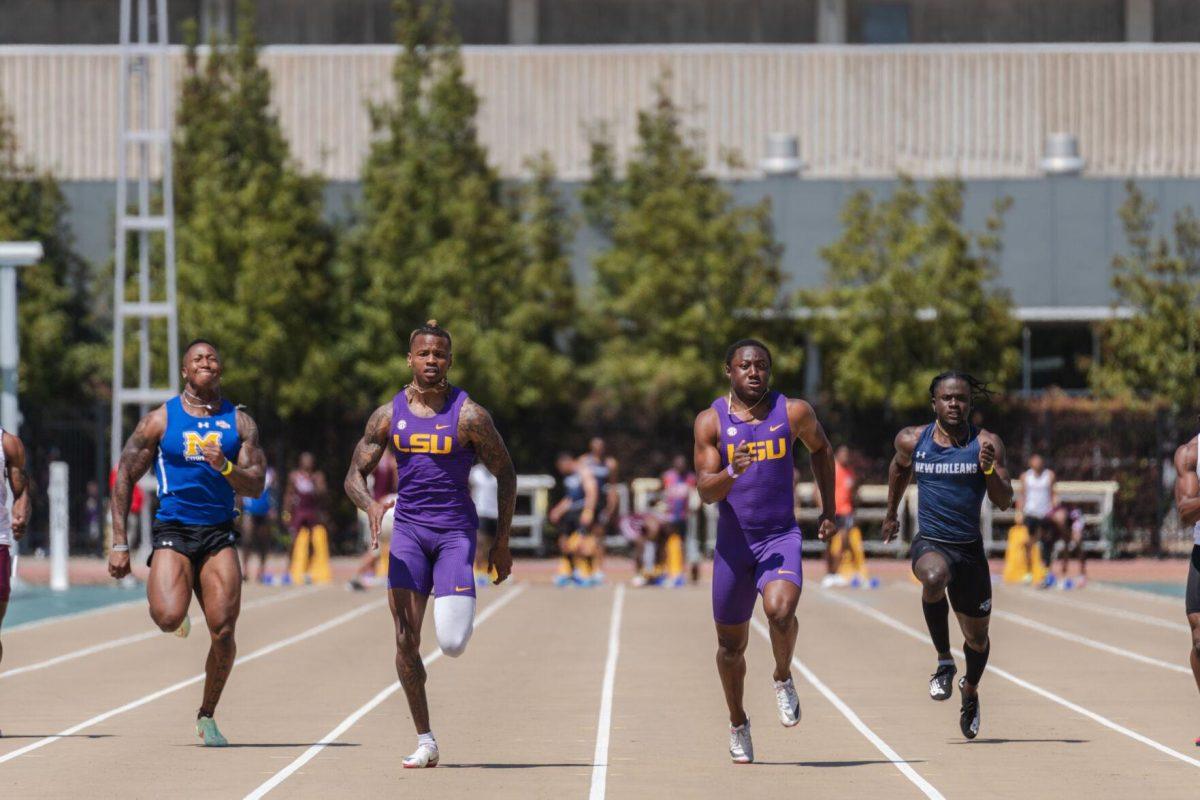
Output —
<point x="979" y="111"/>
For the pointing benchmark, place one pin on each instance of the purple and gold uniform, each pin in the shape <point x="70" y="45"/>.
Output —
<point x="758" y="540"/>
<point x="433" y="541"/>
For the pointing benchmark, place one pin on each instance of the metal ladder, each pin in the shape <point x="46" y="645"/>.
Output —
<point x="144" y="61"/>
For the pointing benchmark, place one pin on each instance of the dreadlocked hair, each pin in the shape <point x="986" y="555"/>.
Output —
<point x="979" y="389"/>
<point x="430" y="328"/>
<point x="740" y="343"/>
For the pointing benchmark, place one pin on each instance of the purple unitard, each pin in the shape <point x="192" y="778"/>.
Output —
<point x="758" y="540"/>
<point x="433" y="543"/>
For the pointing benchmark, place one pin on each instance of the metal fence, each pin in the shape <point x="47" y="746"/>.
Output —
<point x="975" y="111"/>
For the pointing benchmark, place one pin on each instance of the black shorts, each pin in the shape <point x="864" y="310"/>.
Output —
<point x="569" y="523"/>
<point x="487" y="526"/>
<point x="970" y="587"/>
<point x="194" y="541"/>
<point x="1039" y="527"/>
<point x="1193" y="582"/>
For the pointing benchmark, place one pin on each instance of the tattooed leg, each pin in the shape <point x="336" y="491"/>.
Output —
<point x="220" y="593"/>
<point x="408" y="611"/>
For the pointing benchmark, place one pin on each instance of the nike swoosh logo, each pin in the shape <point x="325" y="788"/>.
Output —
<point x="785" y="572"/>
<point x="462" y="588"/>
<point x="440" y="427"/>
<point x="776" y="427"/>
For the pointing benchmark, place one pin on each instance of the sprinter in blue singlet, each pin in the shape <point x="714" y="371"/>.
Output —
<point x="204" y="452"/>
<point x="956" y="464"/>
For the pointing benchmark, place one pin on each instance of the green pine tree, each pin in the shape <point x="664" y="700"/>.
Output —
<point x="439" y="238"/>
<point x="253" y="250"/>
<point x="1155" y="354"/>
<point x="63" y="358"/>
<point x="910" y="294"/>
<point x="686" y="273"/>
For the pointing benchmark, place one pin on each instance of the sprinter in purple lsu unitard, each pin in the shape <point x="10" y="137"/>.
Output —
<point x="744" y="461"/>
<point x="437" y="433"/>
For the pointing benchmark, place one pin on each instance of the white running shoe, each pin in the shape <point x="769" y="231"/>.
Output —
<point x="426" y="755"/>
<point x="741" y="749"/>
<point x="184" y="628"/>
<point x="788" y="702"/>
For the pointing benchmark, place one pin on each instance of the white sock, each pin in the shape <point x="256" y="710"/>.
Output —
<point x="426" y="738"/>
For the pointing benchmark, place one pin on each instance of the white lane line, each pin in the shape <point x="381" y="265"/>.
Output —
<point x="923" y="638"/>
<point x="1177" y="602"/>
<point x="91" y="612"/>
<point x="1119" y="613"/>
<point x="141" y="701"/>
<point x="604" y="724"/>
<point x="891" y="755"/>
<point x="196" y="619"/>
<point x="345" y="725"/>
<point x="1094" y="644"/>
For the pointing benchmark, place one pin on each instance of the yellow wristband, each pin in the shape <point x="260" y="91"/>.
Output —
<point x="228" y="468"/>
<point x="990" y="470"/>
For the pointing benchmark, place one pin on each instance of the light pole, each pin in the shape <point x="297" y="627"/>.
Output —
<point x="12" y="255"/>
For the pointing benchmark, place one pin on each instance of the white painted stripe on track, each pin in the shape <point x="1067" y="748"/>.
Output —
<point x="141" y="701"/>
<point x="1087" y="642"/>
<point x="91" y="612"/>
<point x="883" y="747"/>
<point x="604" y="723"/>
<point x="1177" y="602"/>
<point x="923" y="638"/>
<point x="1119" y="613"/>
<point x="350" y="721"/>
<point x="196" y="619"/>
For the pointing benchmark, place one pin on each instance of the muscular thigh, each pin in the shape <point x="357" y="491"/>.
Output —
<point x="970" y="587"/>
<point x="219" y="586"/>
<point x="408" y="612"/>
<point x="170" y="581"/>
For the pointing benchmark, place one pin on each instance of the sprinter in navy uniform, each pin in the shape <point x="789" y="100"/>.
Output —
<point x="204" y="451"/>
<point x="956" y="464"/>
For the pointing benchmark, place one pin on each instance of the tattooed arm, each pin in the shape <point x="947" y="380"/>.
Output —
<point x="135" y="459"/>
<point x="367" y="452"/>
<point x="18" y="480"/>
<point x="475" y="427"/>
<point x="249" y="475"/>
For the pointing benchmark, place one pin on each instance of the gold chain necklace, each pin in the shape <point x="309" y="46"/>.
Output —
<point x="745" y="410"/>
<point x="946" y="433"/>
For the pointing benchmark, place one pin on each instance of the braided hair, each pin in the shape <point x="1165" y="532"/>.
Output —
<point x="430" y="328"/>
<point x="740" y="343"/>
<point x="978" y="389"/>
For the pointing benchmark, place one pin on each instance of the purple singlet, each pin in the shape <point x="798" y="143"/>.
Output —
<point x="433" y="543"/>
<point x="758" y="540"/>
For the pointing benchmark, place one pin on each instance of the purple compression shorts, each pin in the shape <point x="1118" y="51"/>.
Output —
<point x="742" y="568"/>
<point x="426" y="560"/>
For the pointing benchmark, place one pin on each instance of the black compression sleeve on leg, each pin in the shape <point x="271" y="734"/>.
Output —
<point x="976" y="662"/>
<point x="937" y="617"/>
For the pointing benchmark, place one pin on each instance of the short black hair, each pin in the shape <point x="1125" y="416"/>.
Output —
<point x="740" y="343"/>
<point x="430" y="328"/>
<point x="201" y="340"/>
<point x="978" y="389"/>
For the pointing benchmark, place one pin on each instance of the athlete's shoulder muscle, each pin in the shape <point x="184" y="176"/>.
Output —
<point x="14" y="449"/>
<point x="907" y="438"/>
<point x="706" y="427"/>
<point x="1186" y="457"/>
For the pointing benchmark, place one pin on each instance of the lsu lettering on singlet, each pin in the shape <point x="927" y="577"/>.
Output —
<point x="190" y="491"/>
<point x="760" y="502"/>
<point x="433" y="487"/>
<point x="950" y="487"/>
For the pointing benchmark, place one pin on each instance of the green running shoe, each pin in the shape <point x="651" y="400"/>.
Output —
<point x="206" y="729"/>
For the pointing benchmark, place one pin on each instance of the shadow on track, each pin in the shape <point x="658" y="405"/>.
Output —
<point x="513" y="766"/>
<point x="1024" y="741"/>
<point x="829" y="764"/>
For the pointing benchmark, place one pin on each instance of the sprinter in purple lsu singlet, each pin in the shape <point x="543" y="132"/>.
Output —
<point x="437" y="433"/>
<point x="744" y="461"/>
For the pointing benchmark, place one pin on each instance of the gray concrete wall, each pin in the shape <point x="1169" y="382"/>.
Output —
<point x="1059" y="241"/>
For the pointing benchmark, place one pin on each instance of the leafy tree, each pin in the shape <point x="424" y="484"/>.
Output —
<point x="685" y="274"/>
<point x="440" y="238"/>
<point x="909" y="295"/>
<point x="253" y="250"/>
<point x="1156" y="353"/>
<point x="62" y="351"/>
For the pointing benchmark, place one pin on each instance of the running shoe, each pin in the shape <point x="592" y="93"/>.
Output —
<point x="355" y="585"/>
<point x="426" y="755"/>
<point x="968" y="718"/>
<point x="788" y="702"/>
<point x="206" y="729"/>
<point x="941" y="682"/>
<point x="741" y="749"/>
<point x="1049" y="582"/>
<point x="184" y="628"/>
<point x="562" y="580"/>
<point x="1198" y="742"/>
<point x="1067" y="585"/>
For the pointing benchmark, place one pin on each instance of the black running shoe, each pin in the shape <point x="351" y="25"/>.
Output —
<point x="968" y="718"/>
<point x="941" y="683"/>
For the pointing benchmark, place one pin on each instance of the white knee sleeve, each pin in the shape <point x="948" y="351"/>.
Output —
<point x="453" y="619"/>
